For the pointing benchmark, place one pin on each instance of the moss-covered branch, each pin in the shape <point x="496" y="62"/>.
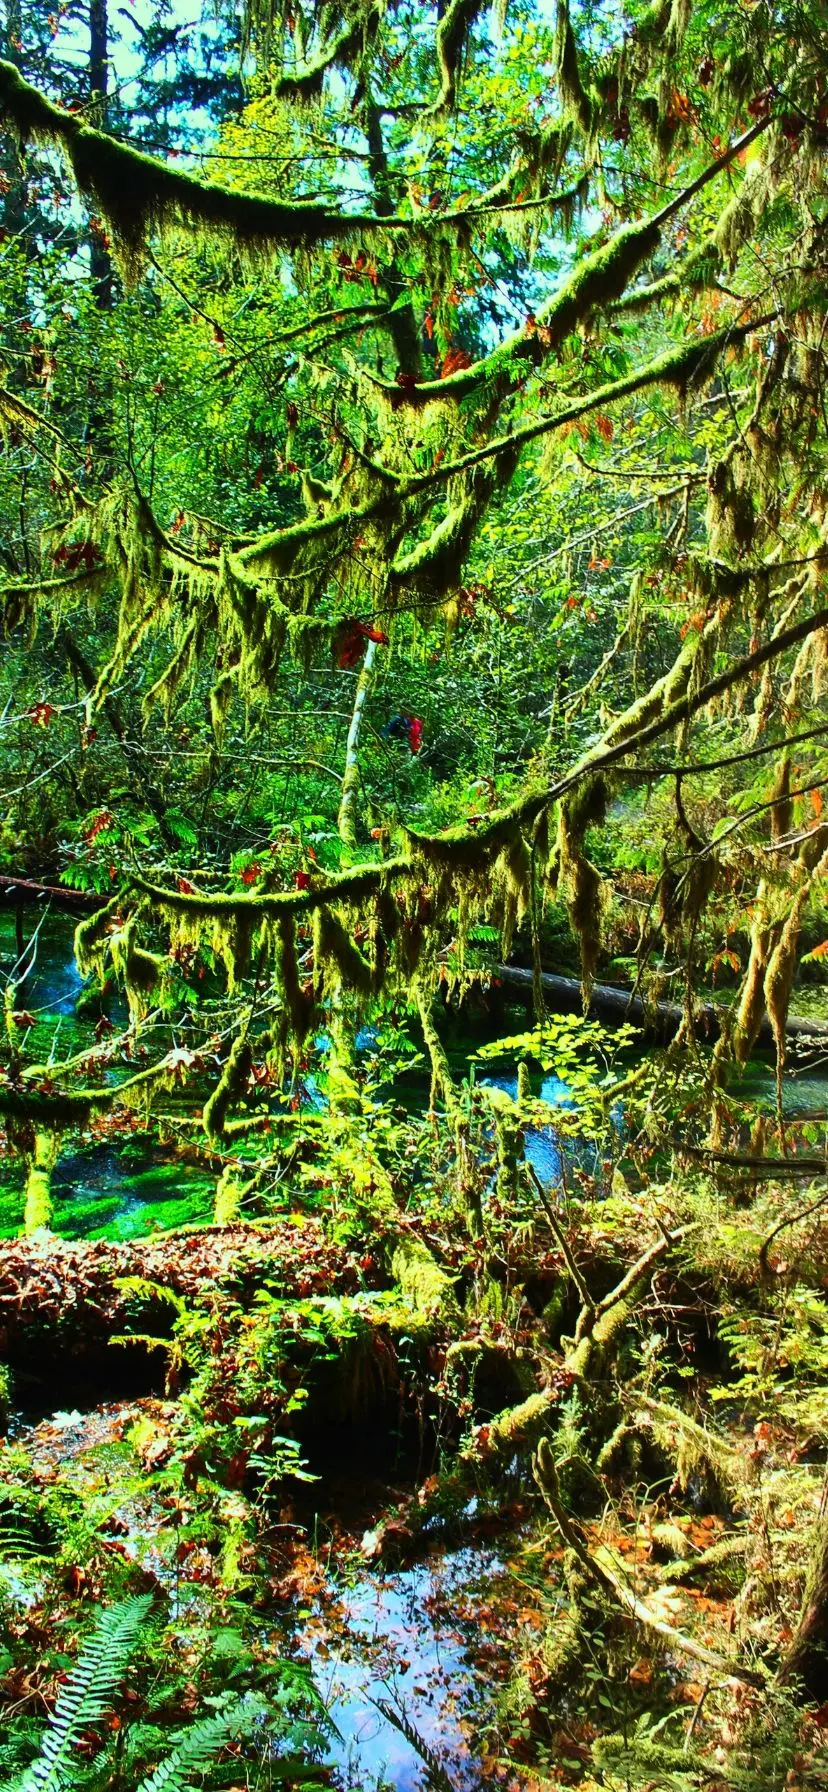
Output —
<point x="621" y="1595"/>
<point x="135" y="192"/>
<point x="600" y="280"/>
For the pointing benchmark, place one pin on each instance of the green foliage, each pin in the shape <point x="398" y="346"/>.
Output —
<point x="495" y="347"/>
<point x="85" y="1697"/>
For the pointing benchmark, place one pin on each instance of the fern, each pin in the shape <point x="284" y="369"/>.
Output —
<point x="200" y="1743"/>
<point x="85" y="1696"/>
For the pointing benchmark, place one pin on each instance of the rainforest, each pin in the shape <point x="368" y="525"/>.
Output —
<point x="413" y="895"/>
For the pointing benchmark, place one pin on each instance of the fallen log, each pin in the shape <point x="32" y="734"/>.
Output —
<point x="62" y="1301"/>
<point x="18" y="890"/>
<point x="658" y="1020"/>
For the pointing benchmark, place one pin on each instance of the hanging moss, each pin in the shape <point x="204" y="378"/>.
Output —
<point x="304" y="84"/>
<point x="434" y="567"/>
<point x="15" y="413"/>
<point x="524" y="1084"/>
<point x="751" y="1009"/>
<point x="135" y="193"/>
<point x="24" y="603"/>
<point x="140" y="971"/>
<point x="452" y="32"/>
<point x="669" y="900"/>
<point x="337" y="960"/>
<point x="168" y="683"/>
<point x="92" y="936"/>
<point x="581" y="882"/>
<point x="513" y="884"/>
<point x="567" y="64"/>
<point x="297" y="996"/>
<point x="738" y="220"/>
<point x="221" y="696"/>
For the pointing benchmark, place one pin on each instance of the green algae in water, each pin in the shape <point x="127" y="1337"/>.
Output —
<point x="98" y="1195"/>
<point x="12" y="1198"/>
<point x="107" y="1194"/>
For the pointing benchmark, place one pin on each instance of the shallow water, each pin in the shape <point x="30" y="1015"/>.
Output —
<point x="423" y="1639"/>
<point x="404" y="1640"/>
<point x="103" y="1192"/>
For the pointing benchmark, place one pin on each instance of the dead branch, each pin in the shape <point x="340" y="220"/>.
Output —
<point x="633" y="1608"/>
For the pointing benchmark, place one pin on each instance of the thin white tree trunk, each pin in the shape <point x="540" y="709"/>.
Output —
<point x="347" y="819"/>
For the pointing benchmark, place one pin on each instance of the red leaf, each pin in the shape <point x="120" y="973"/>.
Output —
<point x="41" y="714"/>
<point x="350" y="639"/>
<point x="454" y="361"/>
<point x="103" y="820"/>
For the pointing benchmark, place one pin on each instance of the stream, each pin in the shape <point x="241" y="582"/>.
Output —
<point x="428" y="1643"/>
<point x="129" y="1187"/>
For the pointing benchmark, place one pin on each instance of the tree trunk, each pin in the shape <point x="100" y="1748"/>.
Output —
<point x="100" y="264"/>
<point x="346" y="819"/>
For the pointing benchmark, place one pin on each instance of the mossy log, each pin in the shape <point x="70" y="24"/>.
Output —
<point x="423" y="1284"/>
<point x="660" y="1020"/>
<point x="61" y="1301"/>
<point x="598" y="1333"/>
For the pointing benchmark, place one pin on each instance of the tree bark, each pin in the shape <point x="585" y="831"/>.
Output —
<point x="99" y="261"/>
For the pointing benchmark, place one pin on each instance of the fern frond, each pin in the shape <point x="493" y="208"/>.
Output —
<point x="18" y="1545"/>
<point x="200" y="1744"/>
<point x="85" y="1696"/>
<point x="145" y="1289"/>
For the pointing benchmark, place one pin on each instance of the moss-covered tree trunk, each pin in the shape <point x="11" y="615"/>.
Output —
<point x="807" y="1659"/>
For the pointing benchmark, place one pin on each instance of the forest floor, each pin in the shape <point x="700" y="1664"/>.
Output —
<point x="417" y="1571"/>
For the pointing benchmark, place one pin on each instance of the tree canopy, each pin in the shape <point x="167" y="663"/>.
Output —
<point x="413" y="487"/>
